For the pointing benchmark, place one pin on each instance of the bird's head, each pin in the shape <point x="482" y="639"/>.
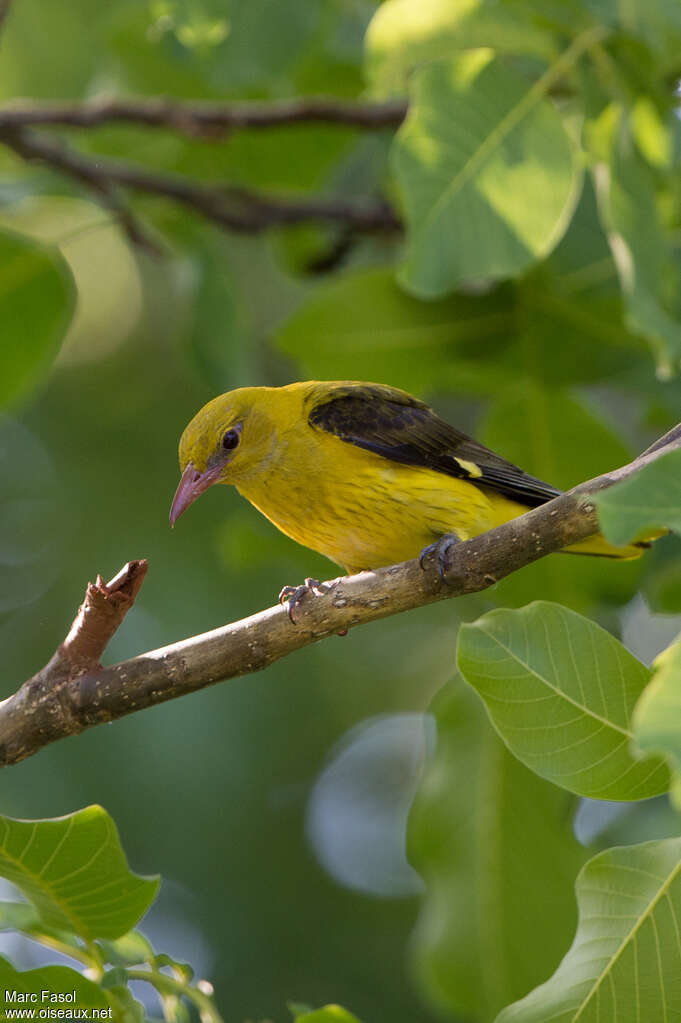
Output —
<point x="228" y="439"/>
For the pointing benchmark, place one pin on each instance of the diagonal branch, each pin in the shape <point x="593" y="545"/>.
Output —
<point x="64" y="699"/>
<point x="86" y="172"/>
<point x="237" y="209"/>
<point x="201" y="118"/>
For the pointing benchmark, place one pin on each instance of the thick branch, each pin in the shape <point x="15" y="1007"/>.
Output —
<point x="201" y="118"/>
<point x="234" y="208"/>
<point x="64" y="699"/>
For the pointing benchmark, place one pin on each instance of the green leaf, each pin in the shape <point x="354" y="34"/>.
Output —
<point x="75" y="873"/>
<point x="657" y="716"/>
<point x="552" y="434"/>
<point x="656" y="23"/>
<point x="363" y="319"/>
<point x="37" y="300"/>
<point x="570" y="325"/>
<point x="488" y="174"/>
<point x="661" y="584"/>
<point x="481" y="939"/>
<point x="327" y="1014"/>
<point x="23" y="917"/>
<point x="625" y="961"/>
<point x="560" y="691"/>
<point x="404" y="34"/>
<point x="129" y="950"/>
<point x="558" y="438"/>
<point x="648" y="501"/>
<point x="642" y="252"/>
<point x="41" y="989"/>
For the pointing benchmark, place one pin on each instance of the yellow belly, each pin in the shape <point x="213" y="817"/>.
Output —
<point x="363" y="511"/>
<point x="379" y="513"/>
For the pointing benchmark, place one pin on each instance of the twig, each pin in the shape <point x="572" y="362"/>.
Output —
<point x="235" y="208"/>
<point x="60" y="157"/>
<point x="100" y="615"/>
<point x="201" y="119"/>
<point x="65" y="699"/>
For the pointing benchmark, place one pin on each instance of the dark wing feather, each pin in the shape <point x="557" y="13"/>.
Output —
<point x="393" y="424"/>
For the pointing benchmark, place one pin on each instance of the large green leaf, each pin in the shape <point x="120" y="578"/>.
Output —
<point x="40" y="990"/>
<point x="657" y="716"/>
<point x="560" y="691"/>
<point x="74" y="871"/>
<point x="404" y="34"/>
<point x="624" y="965"/>
<point x="494" y="845"/>
<point x="488" y="174"/>
<point x="648" y="501"/>
<point x="364" y="320"/>
<point x="36" y="303"/>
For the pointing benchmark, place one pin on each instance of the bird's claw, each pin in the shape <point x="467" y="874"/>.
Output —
<point x="292" y="595"/>
<point x="438" y="551"/>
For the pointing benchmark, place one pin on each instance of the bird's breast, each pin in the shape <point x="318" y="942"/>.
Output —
<point x="361" y="510"/>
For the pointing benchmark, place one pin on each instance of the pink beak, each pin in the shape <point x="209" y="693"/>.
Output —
<point x="191" y="485"/>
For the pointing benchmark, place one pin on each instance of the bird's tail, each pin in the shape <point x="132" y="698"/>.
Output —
<point x="600" y="548"/>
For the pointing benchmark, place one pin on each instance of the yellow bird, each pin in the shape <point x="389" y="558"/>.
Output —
<point x="363" y="473"/>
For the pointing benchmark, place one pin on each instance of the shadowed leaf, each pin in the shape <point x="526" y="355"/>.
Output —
<point x="648" y="501"/>
<point x="625" y="961"/>
<point x="493" y="843"/>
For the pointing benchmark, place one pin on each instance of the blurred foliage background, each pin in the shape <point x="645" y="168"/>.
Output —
<point x="275" y="807"/>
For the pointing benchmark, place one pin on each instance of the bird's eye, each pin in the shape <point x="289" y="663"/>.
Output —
<point x="231" y="439"/>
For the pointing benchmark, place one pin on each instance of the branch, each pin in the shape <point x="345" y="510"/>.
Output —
<point x="73" y="692"/>
<point x="201" y="119"/>
<point x="237" y="209"/>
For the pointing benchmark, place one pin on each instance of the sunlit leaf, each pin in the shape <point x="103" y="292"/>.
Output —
<point x="488" y="174"/>
<point x="494" y="845"/>
<point x="560" y="691"/>
<point x="625" y="961"/>
<point x="74" y="872"/>
<point x="404" y="34"/>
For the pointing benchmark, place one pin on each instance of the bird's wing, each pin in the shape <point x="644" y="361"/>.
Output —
<point x="403" y="429"/>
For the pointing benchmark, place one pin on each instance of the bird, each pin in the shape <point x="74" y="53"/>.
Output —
<point x="364" y="473"/>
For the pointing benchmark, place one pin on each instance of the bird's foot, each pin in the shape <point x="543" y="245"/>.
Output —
<point x="292" y="595"/>
<point x="437" y="552"/>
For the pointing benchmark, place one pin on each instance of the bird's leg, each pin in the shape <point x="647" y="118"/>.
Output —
<point x="293" y="595"/>
<point x="438" y="551"/>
